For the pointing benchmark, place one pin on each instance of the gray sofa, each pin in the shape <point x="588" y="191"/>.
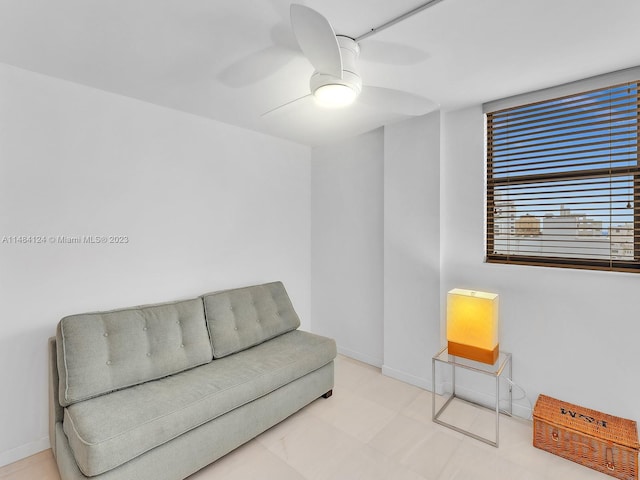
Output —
<point x="158" y="392"/>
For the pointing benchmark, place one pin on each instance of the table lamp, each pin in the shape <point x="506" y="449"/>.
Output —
<point x="472" y="325"/>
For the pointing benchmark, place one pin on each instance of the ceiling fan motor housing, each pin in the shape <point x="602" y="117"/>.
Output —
<point x="349" y="51"/>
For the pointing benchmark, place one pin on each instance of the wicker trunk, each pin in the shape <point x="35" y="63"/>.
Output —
<point x="596" y="440"/>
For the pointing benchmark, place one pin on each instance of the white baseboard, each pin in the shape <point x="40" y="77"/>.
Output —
<point x="522" y="411"/>
<point x="424" y="383"/>
<point x="24" y="451"/>
<point x="359" y="356"/>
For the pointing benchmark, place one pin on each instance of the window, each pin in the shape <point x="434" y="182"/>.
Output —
<point x="563" y="181"/>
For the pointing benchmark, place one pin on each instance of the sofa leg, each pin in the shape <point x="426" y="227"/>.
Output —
<point x="328" y="394"/>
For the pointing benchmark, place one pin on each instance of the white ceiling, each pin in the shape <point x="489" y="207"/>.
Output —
<point x="233" y="60"/>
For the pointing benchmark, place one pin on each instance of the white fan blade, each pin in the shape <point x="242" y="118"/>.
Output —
<point x="316" y="39"/>
<point x="283" y="107"/>
<point x="396" y="101"/>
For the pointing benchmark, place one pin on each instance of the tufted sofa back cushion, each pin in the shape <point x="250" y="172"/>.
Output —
<point x="244" y="317"/>
<point x="105" y="351"/>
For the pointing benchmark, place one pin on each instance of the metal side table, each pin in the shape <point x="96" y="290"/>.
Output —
<point x="503" y="365"/>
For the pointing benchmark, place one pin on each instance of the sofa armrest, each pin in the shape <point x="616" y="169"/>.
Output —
<point x="55" y="410"/>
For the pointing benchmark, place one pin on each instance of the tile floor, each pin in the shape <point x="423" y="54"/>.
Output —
<point x="373" y="428"/>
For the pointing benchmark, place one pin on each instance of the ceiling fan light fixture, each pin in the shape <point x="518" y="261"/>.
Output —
<point x="335" y="95"/>
<point x="335" y="92"/>
<point x="336" y="80"/>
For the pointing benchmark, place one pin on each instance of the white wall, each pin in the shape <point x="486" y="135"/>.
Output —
<point x="346" y="244"/>
<point x="375" y="254"/>
<point x="412" y="248"/>
<point x="204" y="205"/>
<point x="573" y="334"/>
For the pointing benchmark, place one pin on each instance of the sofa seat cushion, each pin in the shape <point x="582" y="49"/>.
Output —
<point x="107" y="431"/>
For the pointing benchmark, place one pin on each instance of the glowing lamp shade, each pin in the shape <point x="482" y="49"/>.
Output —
<point x="335" y="95"/>
<point x="472" y="325"/>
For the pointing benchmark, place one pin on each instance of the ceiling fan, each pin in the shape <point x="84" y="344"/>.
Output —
<point x="336" y="81"/>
